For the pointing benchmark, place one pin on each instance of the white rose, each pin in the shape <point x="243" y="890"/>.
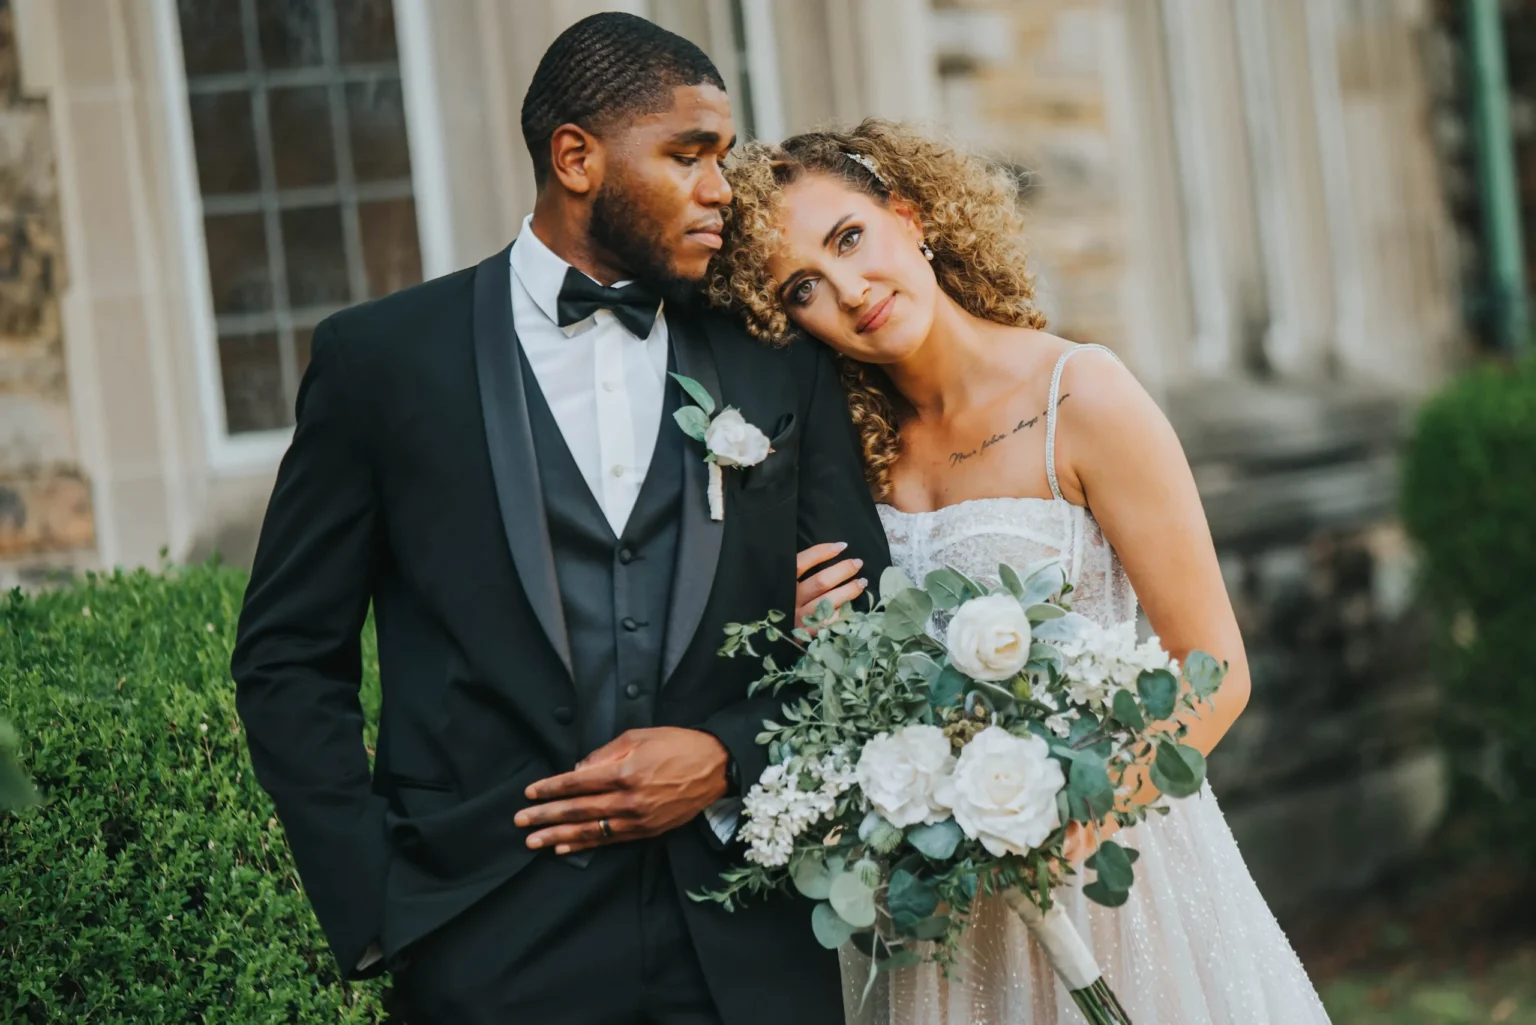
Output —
<point x="989" y="637"/>
<point x="735" y="442"/>
<point x="900" y="773"/>
<point x="1003" y="791"/>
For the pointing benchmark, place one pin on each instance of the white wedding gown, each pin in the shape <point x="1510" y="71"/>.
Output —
<point x="1195" y="944"/>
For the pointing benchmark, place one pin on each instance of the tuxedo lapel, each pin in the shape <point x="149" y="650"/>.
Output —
<point x="698" y="543"/>
<point x="504" y="406"/>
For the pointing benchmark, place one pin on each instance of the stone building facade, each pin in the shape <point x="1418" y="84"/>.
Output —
<point x="1246" y="199"/>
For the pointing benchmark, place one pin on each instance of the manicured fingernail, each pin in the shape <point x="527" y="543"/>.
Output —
<point x="841" y="545"/>
<point x="858" y="563"/>
<point x="863" y="582"/>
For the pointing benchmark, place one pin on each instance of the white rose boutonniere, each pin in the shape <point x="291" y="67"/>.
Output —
<point x="989" y="637"/>
<point x="728" y="439"/>
<point x="1003" y="791"/>
<point x="900" y="772"/>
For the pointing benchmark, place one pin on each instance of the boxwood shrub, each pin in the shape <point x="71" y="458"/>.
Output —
<point x="153" y="884"/>
<point x="1469" y="500"/>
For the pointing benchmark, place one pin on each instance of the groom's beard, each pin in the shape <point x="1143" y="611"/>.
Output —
<point x="628" y="232"/>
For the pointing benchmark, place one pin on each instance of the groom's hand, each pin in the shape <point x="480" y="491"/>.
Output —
<point x="643" y="783"/>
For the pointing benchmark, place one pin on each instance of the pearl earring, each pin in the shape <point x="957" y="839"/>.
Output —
<point x="926" y="249"/>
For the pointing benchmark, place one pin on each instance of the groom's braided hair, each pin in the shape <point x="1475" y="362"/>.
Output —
<point x="970" y="216"/>
<point x="603" y="69"/>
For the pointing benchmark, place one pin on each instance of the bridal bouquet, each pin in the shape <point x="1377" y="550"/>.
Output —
<point x="907" y="776"/>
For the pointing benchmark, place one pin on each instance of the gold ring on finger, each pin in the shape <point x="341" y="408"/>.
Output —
<point x="606" y="828"/>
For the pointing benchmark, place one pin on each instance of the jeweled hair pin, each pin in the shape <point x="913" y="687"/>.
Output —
<point x="868" y="165"/>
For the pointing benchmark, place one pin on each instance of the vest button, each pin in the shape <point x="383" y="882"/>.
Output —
<point x="564" y="716"/>
<point x="626" y="556"/>
<point x="628" y="623"/>
<point x="632" y="690"/>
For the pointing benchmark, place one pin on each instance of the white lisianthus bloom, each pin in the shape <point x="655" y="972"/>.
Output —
<point x="989" y="637"/>
<point x="900" y="773"/>
<point x="733" y="441"/>
<point x="1003" y="791"/>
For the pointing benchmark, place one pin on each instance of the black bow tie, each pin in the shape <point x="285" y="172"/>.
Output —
<point x="633" y="304"/>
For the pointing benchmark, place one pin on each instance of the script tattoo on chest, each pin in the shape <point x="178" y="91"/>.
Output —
<point x="956" y="458"/>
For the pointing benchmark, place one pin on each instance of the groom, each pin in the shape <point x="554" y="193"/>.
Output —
<point x="490" y="461"/>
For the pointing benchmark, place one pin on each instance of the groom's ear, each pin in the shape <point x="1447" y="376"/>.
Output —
<point x="576" y="159"/>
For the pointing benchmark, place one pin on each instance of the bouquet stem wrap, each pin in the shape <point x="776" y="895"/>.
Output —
<point x="1071" y="958"/>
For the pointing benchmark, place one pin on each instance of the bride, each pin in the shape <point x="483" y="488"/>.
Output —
<point x="987" y="440"/>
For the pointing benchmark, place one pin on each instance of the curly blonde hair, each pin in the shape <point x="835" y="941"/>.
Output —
<point x="970" y="217"/>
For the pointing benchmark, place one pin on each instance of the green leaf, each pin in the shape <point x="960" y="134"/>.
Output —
<point x="1126" y="712"/>
<point x="1178" y="770"/>
<point x="830" y="929"/>
<point x="907" y="614"/>
<point x="697" y="392"/>
<point x="692" y="420"/>
<point x="948" y="690"/>
<point x="812" y="877"/>
<point x="1097" y="892"/>
<point x="892" y="582"/>
<point x="931" y="928"/>
<point x="1043" y="655"/>
<point x="1011" y="580"/>
<point x="947" y="587"/>
<point x="1066" y="628"/>
<point x="852" y="900"/>
<point x="1043" y="611"/>
<point x="910" y="898"/>
<point x="1203" y="673"/>
<point x="1089" y="788"/>
<point x="1159" y="693"/>
<point x="1113" y="865"/>
<point x="919" y="664"/>
<point x="901" y="959"/>
<point x="937" y="841"/>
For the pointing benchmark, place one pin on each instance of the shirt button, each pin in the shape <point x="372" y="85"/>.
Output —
<point x="564" y="716"/>
<point x="626" y="556"/>
<point x="610" y="386"/>
<point x="629" y="624"/>
<point x="616" y="470"/>
<point x="632" y="691"/>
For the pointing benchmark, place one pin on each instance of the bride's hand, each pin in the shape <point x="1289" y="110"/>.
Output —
<point x="829" y="584"/>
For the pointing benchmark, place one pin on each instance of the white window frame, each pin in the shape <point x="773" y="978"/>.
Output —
<point x="260" y="451"/>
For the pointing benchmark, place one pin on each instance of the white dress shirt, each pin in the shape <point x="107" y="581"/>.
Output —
<point x="605" y="386"/>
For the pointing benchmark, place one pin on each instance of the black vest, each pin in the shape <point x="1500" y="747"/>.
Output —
<point x="615" y="591"/>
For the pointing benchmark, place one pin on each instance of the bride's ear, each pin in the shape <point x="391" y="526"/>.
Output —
<point x="907" y="212"/>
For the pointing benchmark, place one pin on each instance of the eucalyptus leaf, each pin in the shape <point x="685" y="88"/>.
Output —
<point x="948" y="690"/>
<point x="1049" y="655"/>
<point x="812" y="878"/>
<point x="693" y="421"/>
<point x="1041" y="580"/>
<point x="1126" y="712"/>
<point x="1178" y="770"/>
<point x="901" y="959"/>
<point x="1159" y="692"/>
<point x="892" y="582"/>
<point x="852" y="900"/>
<point x="931" y="928"/>
<point x="697" y="392"/>
<point x="1089" y="783"/>
<point x="920" y="665"/>
<point x="1203" y="673"/>
<point x="830" y="929"/>
<point x="1097" y="892"/>
<point x="1042" y="611"/>
<point x="910" y="898"/>
<point x="1113" y="865"/>
<point x="937" y="841"/>
<point x="907" y="614"/>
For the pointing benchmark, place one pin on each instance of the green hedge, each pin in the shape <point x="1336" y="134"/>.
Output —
<point x="153" y="885"/>
<point x="1469" y="500"/>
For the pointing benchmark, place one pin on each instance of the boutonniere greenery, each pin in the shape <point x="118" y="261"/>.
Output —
<point x="728" y="439"/>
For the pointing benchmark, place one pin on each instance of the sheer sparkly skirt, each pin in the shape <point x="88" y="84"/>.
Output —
<point x="1195" y="945"/>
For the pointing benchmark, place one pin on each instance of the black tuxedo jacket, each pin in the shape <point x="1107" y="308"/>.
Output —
<point x="411" y="484"/>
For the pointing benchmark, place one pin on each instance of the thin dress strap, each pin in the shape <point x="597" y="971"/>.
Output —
<point x="1050" y="411"/>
